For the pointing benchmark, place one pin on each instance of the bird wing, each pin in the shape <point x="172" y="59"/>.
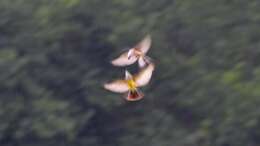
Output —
<point x="144" y="61"/>
<point x="123" y="60"/>
<point x="141" y="62"/>
<point x="143" y="77"/>
<point x="119" y="86"/>
<point x="144" y="45"/>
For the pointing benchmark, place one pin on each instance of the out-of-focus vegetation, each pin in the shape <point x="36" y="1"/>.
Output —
<point x="54" y="58"/>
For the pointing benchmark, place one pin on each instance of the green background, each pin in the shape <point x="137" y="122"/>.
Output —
<point x="55" y="56"/>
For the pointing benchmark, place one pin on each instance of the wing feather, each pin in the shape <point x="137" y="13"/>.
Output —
<point x="123" y="60"/>
<point x="144" y="45"/>
<point x="119" y="86"/>
<point x="141" y="62"/>
<point x="144" y="76"/>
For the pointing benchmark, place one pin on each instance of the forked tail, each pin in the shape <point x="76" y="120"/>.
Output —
<point x="134" y="95"/>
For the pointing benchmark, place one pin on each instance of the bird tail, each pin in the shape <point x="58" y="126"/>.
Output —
<point x="134" y="95"/>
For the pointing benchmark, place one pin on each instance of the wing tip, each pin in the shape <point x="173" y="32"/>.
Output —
<point x="115" y="63"/>
<point x="105" y="85"/>
<point x="148" y="37"/>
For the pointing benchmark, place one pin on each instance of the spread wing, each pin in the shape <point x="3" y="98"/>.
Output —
<point x="119" y="86"/>
<point x="144" y="45"/>
<point x="143" y="77"/>
<point x="123" y="60"/>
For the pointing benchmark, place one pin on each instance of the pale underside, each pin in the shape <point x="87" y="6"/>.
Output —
<point x="119" y="86"/>
<point x="142" y="47"/>
<point x="141" y="79"/>
<point x="123" y="60"/>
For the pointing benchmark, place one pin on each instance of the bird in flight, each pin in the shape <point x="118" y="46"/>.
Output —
<point x="131" y="83"/>
<point x="138" y="52"/>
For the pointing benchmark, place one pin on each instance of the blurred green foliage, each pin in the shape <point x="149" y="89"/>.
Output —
<point x="54" y="58"/>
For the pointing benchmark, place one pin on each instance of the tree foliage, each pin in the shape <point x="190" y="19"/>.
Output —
<point x="54" y="58"/>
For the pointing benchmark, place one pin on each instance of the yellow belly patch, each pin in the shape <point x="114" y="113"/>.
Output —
<point x="131" y="84"/>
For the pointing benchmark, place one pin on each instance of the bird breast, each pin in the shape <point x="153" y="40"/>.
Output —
<point x="138" y="53"/>
<point x="131" y="84"/>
